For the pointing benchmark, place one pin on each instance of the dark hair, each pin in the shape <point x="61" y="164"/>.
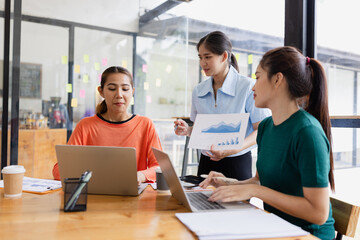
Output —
<point x="217" y="42"/>
<point x="101" y="107"/>
<point x="305" y="77"/>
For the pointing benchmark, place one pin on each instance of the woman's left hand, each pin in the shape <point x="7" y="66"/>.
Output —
<point x="232" y="193"/>
<point x="217" y="155"/>
<point x="140" y="178"/>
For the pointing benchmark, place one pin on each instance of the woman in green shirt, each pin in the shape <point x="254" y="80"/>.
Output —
<point x="295" y="163"/>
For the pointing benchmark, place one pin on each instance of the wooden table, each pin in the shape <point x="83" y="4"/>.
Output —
<point x="149" y="216"/>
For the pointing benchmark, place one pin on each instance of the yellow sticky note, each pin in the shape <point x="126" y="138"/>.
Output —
<point x="146" y="86"/>
<point x="250" y="59"/>
<point x="86" y="58"/>
<point x="77" y="68"/>
<point x="203" y="73"/>
<point x="64" y="59"/>
<point x="132" y="101"/>
<point x="74" y="102"/>
<point x="86" y="78"/>
<point x="97" y="66"/>
<point x="158" y="82"/>
<point x="69" y="87"/>
<point x="168" y="68"/>
<point x="253" y="76"/>
<point x="237" y="56"/>
<point x="124" y="63"/>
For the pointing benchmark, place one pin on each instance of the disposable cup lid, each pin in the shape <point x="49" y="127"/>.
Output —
<point x="13" y="169"/>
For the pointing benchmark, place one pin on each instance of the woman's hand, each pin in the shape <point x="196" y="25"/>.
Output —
<point x="217" y="155"/>
<point x="181" y="128"/>
<point x="213" y="179"/>
<point x="233" y="193"/>
<point x="140" y="178"/>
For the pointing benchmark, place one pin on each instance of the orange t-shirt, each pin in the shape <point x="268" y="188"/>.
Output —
<point x="138" y="132"/>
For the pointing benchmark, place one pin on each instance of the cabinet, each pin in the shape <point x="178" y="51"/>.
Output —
<point x="37" y="150"/>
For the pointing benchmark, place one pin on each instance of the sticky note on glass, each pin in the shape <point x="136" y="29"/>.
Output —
<point x="74" y="102"/>
<point x="250" y="59"/>
<point x="69" y="87"/>
<point x="158" y="82"/>
<point x="86" y="78"/>
<point x="99" y="78"/>
<point x="64" y="59"/>
<point x="86" y="58"/>
<point x="104" y="61"/>
<point x="124" y="63"/>
<point x="237" y="56"/>
<point x="253" y="76"/>
<point x="82" y="93"/>
<point x="132" y="101"/>
<point x="97" y="66"/>
<point x="144" y="68"/>
<point x="77" y="68"/>
<point x="168" y="68"/>
<point x="148" y="99"/>
<point x="146" y="86"/>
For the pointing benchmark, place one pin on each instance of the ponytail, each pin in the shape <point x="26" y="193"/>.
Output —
<point x="233" y="62"/>
<point x="101" y="108"/>
<point x="318" y="106"/>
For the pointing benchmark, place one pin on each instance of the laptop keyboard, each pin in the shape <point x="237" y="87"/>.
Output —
<point x="200" y="201"/>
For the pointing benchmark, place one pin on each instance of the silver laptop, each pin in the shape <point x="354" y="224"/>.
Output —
<point x="114" y="170"/>
<point x="194" y="201"/>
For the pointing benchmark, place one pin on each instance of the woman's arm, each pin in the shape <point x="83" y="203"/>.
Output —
<point x="217" y="179"/>
<point x="217" y="155"/>
<point x="313" y="207"/>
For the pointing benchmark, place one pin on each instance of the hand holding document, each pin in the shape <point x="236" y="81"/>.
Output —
<point x="224" y="131"/>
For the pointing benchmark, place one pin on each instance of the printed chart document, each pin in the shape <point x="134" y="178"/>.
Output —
<point x="239" y="224"/>
<point x="37" y="185"/>
<point x="224" y="131"/>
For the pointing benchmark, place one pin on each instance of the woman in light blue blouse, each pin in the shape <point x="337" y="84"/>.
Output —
<point x="226" y="91"/>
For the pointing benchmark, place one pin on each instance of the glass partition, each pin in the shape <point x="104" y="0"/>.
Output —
<point x="94" y="52"/>
<point x="339" y="51"/>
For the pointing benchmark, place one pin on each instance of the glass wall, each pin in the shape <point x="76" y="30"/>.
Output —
<point x="339" y="51"/>
<point x="94" y="52"/>
<point x="167" y="60"/>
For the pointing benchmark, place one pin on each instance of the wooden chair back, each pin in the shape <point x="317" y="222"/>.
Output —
<point x="346" y="217"/>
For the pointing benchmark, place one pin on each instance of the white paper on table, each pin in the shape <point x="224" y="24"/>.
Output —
<point x="225" y="131"/>
<point x="239" y="224"/>
<point x="38" y="185"/>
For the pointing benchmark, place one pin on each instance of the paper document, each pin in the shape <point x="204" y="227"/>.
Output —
<point x="224" y="131"/>
<point x="239" y="224"/>
<point x="37" y="185"/>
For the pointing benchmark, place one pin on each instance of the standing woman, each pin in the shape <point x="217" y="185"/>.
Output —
<point x="113" y="125"/>
<point x="226" y="91"/>
<point x="295" y="163"/>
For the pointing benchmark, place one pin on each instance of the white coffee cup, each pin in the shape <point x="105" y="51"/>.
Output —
<point x="13" y="180"/>
<point x="160" y="180"/>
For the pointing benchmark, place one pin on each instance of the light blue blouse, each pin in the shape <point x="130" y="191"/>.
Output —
<point x="235" y="96"/>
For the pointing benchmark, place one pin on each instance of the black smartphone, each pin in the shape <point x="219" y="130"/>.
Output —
<point x="192" y="179"/>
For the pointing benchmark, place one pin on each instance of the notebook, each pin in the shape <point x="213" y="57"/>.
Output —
<point x="193" y="200"/>
<point x="114" y="170"/>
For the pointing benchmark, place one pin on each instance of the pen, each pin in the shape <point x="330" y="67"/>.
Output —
<point x="177" y="125"/>
<point x="85" y="177"/>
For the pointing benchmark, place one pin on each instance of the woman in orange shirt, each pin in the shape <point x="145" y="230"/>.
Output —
<point x="113" y="125"/>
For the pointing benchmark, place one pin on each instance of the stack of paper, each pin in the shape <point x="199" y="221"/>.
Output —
<point x="37" y="185"/>
<point x="239" y="224"/>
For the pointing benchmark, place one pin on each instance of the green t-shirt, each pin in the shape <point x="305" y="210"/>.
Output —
<point x="293" y="155"/>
